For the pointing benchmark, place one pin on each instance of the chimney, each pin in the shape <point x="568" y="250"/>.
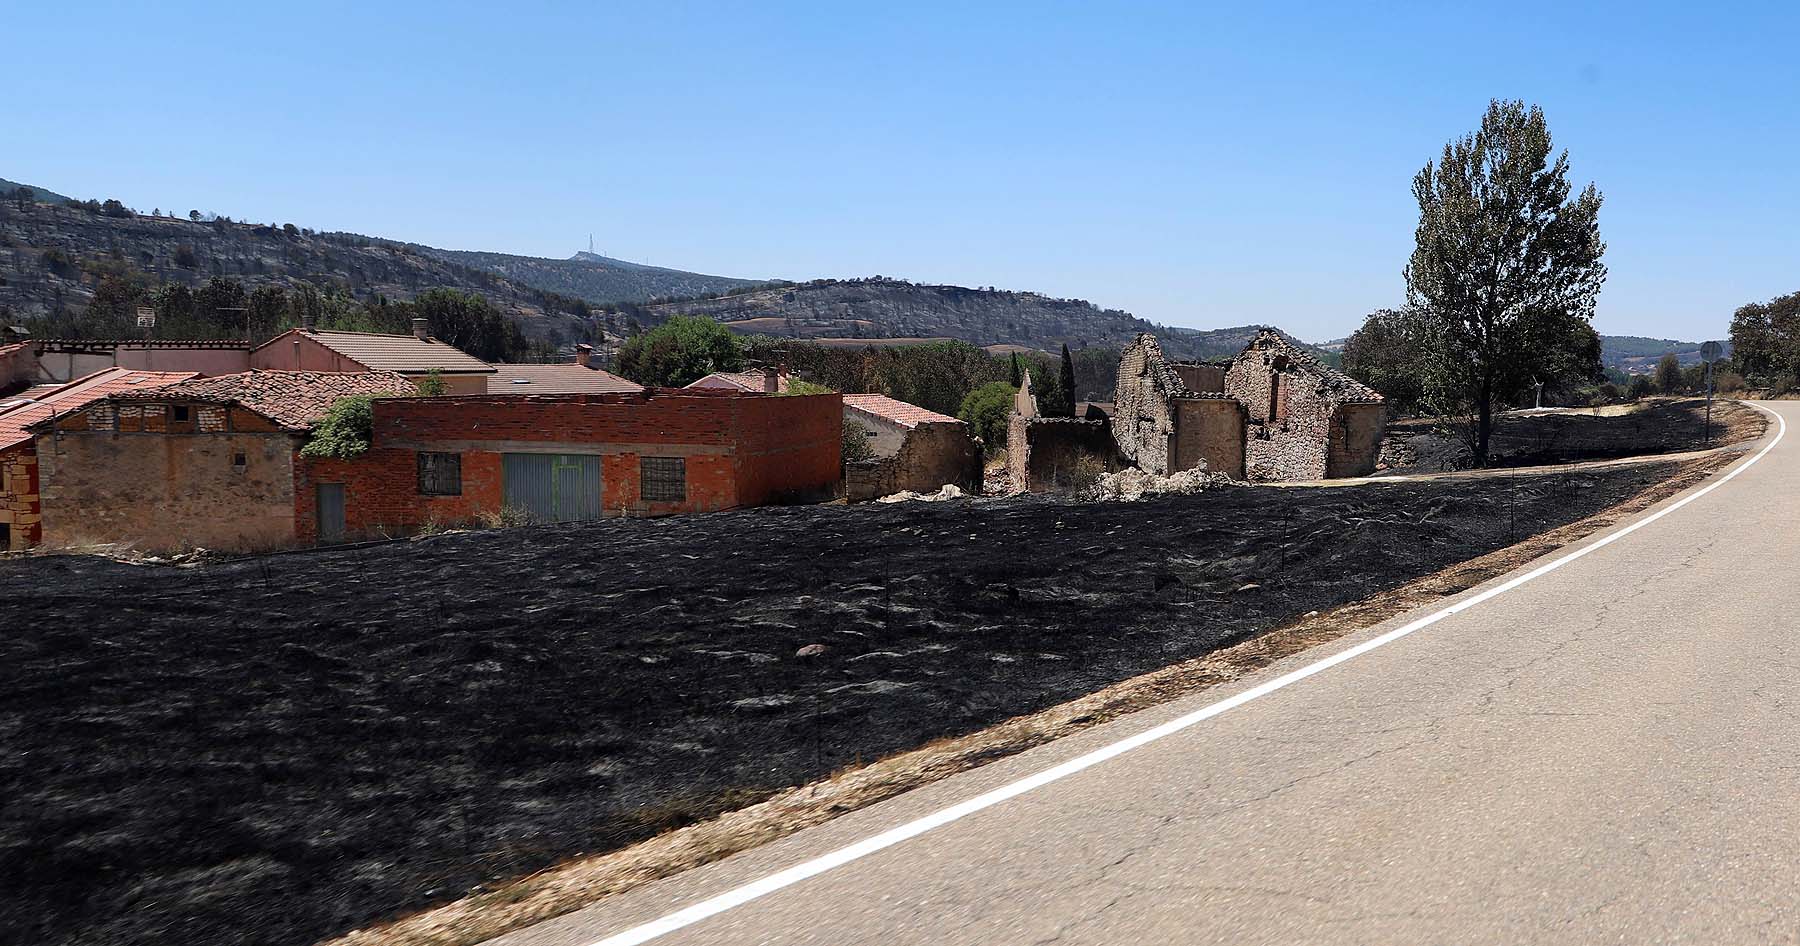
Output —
<point x="583" y="354"/>
<point x="308" y="321"/>
<point x="420" y="330"/>
<point x="771" y="380"/>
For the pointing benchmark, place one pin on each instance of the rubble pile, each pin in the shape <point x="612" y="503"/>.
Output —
<point x="1131" y="485"/>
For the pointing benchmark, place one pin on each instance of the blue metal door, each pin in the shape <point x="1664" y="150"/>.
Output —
<point x="552" y="487"/>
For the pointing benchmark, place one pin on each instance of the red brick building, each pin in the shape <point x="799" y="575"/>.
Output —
<point x="447" y="460"/>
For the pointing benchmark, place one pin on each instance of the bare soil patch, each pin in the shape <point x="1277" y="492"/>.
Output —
<point x="280" y="749"/>
<point x="1526" y="438"/>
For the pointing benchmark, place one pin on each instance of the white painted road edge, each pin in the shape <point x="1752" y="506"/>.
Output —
<point x="912" y="829"/>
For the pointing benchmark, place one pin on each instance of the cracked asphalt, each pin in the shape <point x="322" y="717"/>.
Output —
<point x="1609" y="753"/>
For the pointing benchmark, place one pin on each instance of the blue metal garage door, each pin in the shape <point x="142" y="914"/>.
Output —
<point x="551" y="487"/>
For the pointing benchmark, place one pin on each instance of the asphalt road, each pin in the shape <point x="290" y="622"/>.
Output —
<point x="1608" y="752"/>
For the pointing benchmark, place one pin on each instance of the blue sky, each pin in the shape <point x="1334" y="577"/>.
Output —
<point x="1197" y="165"/>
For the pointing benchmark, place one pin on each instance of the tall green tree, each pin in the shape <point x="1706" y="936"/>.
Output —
<point x="1389" y="354"/>
<point x="680" y="351"/>
<point x="1506" y="266"/>
<point x="222" y="307"/>
<point x="1065" y="384"/>
<point x="1668" y="374"/>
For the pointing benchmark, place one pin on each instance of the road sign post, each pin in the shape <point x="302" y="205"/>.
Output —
<point x="1710" y="353"/>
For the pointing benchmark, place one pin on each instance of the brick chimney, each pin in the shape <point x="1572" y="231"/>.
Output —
<point x="421" y="330"/>
<point x="308" y="321"/>
<point x="771" y="380"/>
<point x="583" y="354"/>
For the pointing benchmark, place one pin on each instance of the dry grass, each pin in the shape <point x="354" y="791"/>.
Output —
<point x="578" y="883"/>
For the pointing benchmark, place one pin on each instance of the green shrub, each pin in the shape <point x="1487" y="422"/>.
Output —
<point x="346" y="430"/>
<point x="988" y="409"/>
<point x="680" y="351"/>
<point x="856" y="442"/>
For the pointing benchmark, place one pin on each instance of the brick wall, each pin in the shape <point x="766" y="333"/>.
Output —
<point x="739" y="450"/>
<point x="19" y="510"/>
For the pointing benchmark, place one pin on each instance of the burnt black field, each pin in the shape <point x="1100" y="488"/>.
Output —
<point x="276" y="750"/>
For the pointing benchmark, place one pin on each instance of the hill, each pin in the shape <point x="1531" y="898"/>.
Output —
<point x="1636" y="354"/>
<point x="880" y="307"/>
<point x="55" y="256"/>
<point x="37" y="193"/>
<point x="593" y="277"/>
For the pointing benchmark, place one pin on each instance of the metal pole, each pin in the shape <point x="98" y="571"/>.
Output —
<point x="1709" y="395"/>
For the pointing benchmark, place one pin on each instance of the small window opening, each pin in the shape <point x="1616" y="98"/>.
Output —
<point x="440" y="474"/>
<point x="663" y="479"/>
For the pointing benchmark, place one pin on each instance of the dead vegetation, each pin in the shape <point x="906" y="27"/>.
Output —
<point x="284" y="748"/>
<point x="1572" y="435"/>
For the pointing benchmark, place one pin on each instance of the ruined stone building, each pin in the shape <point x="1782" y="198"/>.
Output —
<point x="913" y="449"/>
<point x="1305" y="420"/>
<point x="1170" y="417"/>
<point x="1274" y="412"/>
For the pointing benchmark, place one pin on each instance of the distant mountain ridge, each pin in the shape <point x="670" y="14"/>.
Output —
<point x="8" y="187"/>
<point x="1637" y="353"/>
<point x="54" y="254"/>
<point x="881" y="307"/>
<point x="593" y="277"/>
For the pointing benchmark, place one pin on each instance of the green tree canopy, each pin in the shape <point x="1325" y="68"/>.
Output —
<point x="1506" y="267"/>
<point x="680" y="351"/>
<point x="1668" y="374"/>
<point x="1389" y="354"/>
<point x="346" y="430"/>
<point x="988" y="409"/>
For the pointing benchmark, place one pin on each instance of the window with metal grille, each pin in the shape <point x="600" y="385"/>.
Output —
<point x="663" y="479"/>
<point x="440" y="474"/>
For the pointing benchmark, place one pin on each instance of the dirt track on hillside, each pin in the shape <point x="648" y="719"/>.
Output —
<point x="274" y="750"/>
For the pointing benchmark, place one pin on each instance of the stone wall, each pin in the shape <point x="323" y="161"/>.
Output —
<point x="1201" y="378"/>
<point x="930" y="456"/>
<point x="19" y="511"/>
<point x="1356" y="431"/>
<point x="1044" y="454"/>
<point x="1143" y="422"/>
<point x="163" y="491"/>
<point x="1209" y="432"/>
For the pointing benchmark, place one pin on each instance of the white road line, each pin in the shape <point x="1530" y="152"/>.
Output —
<point x="912" y="829"/>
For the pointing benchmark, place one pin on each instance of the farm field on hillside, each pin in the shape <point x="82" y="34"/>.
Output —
<point x="278" y="749"/>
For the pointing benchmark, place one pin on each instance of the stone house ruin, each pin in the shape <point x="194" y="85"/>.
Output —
<point x="1274" y="412"/>
<point x="1306" y="420"/>
<point x="914" y="449"/>
<point x="1170" y="417"/>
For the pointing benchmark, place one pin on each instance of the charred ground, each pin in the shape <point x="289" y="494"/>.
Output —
<point x="275" y="750"/>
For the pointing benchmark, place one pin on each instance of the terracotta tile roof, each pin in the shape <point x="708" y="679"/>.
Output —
<point x="107" y="382"/>
<point x="407" y="354"/>
<point x="557" y="379"/>
<point x="739" y="380"/>
<point x="292" y="399"/>
<point x="897" y="412"/>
